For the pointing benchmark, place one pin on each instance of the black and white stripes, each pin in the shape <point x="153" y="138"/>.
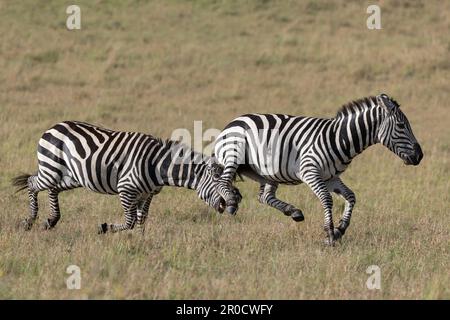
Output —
<point x="276" y="148"/>
<point x="134" y="165"/>
<point x="272" y="149"/>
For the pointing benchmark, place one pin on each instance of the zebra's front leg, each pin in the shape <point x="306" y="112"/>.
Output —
<point x="337" y="186"/>
<point x="267" y="196"/>
<point x="129" y="201"/>
<point x="142" y="212"/>
<point x="319" y="187"/>
<point x="225" y="188"/>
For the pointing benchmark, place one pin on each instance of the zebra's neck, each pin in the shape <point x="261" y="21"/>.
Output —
<point x="356" y="127"/>
<point x="179" y="165"/>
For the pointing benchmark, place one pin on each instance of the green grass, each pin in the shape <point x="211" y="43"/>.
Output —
<point x="154" y="67"/>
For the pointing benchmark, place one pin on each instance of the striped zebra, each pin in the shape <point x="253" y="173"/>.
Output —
<point x="276" y="148"/>
<point x="133" y="165"/>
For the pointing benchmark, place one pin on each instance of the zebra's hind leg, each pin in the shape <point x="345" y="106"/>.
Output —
<point x="66" y="183"/>
<point x="267" y="196"/>
<point x="28" y="222"/>
<point x="129" y="201"/>
<point x="30" y="183"/>
<point x="55" y="214"/>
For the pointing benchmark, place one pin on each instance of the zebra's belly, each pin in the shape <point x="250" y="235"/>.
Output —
<point x="102" y="191"/>
<point x="263" y="175"/>
<point x="95" y="176"/>
<point x="332" y="171"/>
<point x="283" y="181"/>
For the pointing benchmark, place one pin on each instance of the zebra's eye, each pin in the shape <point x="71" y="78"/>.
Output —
<point x="401" y="125"/>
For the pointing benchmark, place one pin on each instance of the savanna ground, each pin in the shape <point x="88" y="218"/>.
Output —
<point x="157" y="66"/>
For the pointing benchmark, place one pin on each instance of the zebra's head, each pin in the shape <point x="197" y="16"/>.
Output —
<point x="206" y="189"/>
<point x="395" y="132"/>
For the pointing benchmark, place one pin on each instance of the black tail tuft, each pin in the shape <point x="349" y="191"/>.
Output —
<point x="21" y="182"/>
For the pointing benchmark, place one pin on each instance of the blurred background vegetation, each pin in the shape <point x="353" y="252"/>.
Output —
<point x="153" y="66"/>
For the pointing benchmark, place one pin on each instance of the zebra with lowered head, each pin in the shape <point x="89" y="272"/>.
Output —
<point x="133" y="165"/>
<point x="278" y="149"/>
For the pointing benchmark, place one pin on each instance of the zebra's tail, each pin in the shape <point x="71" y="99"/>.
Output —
<point x="21" y="181"/>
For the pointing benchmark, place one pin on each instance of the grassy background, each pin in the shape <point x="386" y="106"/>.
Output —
<point x="157" y="66"/>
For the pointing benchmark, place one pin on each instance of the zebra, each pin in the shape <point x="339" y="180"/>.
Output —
<point x="134" y="165"/>
<point x="278" y="149"/>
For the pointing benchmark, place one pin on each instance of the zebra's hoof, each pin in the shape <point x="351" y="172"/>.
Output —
<point x="49" y="224"/>
<point x="337" y="234"/>
<point x="26" y="224"/>
<point x="297" y="215"/>
<point x="46" y="225"/>
<point x="103" y="228"/>
<point x="330" y="242"/>
<point x="231" y="210"/>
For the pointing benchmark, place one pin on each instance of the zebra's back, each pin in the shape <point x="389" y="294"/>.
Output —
<point x="275" y="144"/>
<point x="92" y="156"/>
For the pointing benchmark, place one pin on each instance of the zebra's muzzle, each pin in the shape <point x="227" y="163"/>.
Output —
<point x="414" y="157"/>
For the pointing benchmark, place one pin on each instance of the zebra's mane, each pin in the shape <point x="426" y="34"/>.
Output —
<point x="356" y="105"/>
<point x="167" y="142"/>
<point x="361" y="104"/>
<point x="176" y="143"/>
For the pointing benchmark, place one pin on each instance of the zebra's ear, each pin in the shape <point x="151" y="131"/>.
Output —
<point x="212" y="160"/>
<point x="218" y="169"/>
<point x="384" y="101"/>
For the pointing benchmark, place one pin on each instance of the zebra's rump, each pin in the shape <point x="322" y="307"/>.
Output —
<point x="74" y="152"/>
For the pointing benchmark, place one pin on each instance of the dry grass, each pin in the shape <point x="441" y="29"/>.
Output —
<point x="160" y="66"/>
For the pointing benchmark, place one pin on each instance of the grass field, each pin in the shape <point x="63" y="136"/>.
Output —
<point x="153" y="67"/>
